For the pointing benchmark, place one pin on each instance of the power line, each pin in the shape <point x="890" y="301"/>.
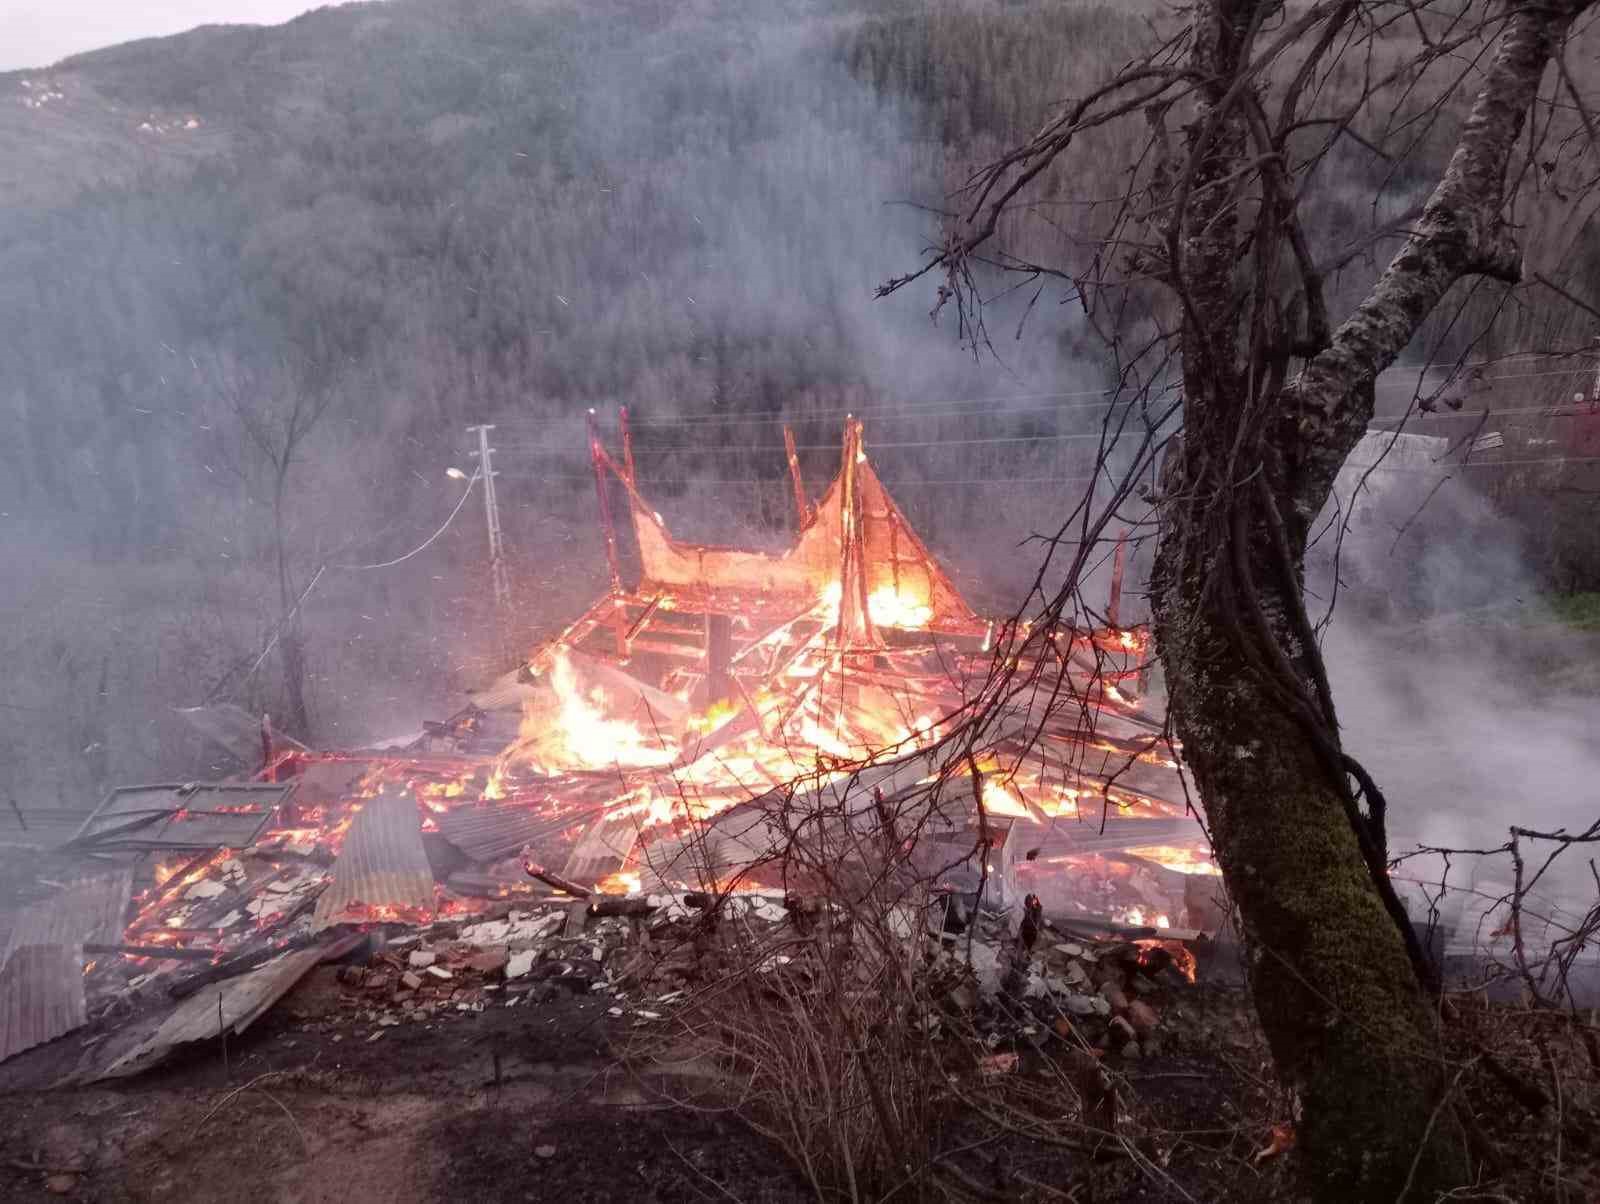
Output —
<point x="794" y="419"/>
<point x="814" y="447"/>
<point x="779" y="480"/>
<point x="1006" y="481"/>
<point x="912" y="409"/>
<point x="1544" y="410"/>
<point x="361" y="568"/>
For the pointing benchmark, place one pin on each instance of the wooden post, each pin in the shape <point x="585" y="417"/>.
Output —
<point x="1118" y="563"/>
<point x="719" y="658"/>
<point x="802" y="508"/>
<point x="627" y="444"/>
<point x="267" y="774"/>
<point x="597" y="454"/>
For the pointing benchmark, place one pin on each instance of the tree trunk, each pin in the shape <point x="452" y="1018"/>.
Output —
<point x="1333" y="982"/>
<point x="298" y="720"/>
<point x="1349" y="1028"/>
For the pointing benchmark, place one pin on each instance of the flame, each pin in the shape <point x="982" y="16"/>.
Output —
<point x="496" y="788"/>
<point x="997" y="800"/>
<point x="1183" y="859"/>
<point x="623" y="882"/>
<point x="713" y="717"/>
<point x="164" y="870"/>
<point x="581" y="735"/>
<point x="1062" y="802"/>
<point x="886" y="606"/>
<point x="889" y="608"/>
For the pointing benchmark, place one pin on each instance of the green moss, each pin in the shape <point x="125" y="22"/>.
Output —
<point x="1580" y="611"/>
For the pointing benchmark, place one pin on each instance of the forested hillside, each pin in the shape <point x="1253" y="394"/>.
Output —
<point x="397" y="219"/>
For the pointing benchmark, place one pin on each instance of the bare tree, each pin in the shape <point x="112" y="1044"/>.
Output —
<point x="273" y="413"/>
<point x="1207" y="255"/>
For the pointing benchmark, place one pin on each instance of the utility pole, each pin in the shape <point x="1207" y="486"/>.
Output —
<point x="491" y="512"/>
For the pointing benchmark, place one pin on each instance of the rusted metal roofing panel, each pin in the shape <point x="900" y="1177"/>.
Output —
<point x="381" y="868"/>
<point x="41" y="996"/>
<point x="89" y="911"/>
<point x="232" y="1006"/>
<point x="489" y="833"/>
<point x="184" y="815"/>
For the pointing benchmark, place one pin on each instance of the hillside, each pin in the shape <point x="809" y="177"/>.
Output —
<point x="415" y="215"/>
<point x="428" y="214"/>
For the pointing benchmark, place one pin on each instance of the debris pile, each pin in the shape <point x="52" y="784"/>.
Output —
<point x="635" y="781"/>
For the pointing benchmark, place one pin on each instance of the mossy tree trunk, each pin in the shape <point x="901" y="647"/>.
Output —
<point x="1348" y="1024"/>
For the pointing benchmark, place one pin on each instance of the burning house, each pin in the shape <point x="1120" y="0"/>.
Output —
<point x="717" y="711"/>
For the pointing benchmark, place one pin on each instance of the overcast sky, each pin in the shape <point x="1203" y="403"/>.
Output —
<point x="35" y="33"/>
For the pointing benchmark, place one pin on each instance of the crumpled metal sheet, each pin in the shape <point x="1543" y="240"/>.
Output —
<point x="382" y="865"/>
<point x="229" y="1006"/>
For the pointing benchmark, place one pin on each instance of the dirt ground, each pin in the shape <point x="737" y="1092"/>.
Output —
<point x="310" y="1107"/>
<point x="315" y="1105"/>
<point x="320" y="1102"/>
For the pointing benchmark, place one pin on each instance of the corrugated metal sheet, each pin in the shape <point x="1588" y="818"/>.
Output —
<point x="41" y="996"/>
<point x="41" y="982"/>
<point x="604" y="849"/>
<point x="487" y="834"/>
<point x="200" y="1017"/>
<point x="382" y="865"/>
<point x="88" y="911"/>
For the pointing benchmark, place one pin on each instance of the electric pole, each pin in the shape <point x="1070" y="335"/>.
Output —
<point x="491" y="512"/>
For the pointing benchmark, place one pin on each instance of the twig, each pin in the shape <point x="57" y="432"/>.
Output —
<point x="700" y="1172"/>
<point x="260" y="1078"/>
<point x="1427" y="1131"/>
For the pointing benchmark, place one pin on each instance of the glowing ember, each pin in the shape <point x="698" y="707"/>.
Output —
<point x="1183" y="960"/>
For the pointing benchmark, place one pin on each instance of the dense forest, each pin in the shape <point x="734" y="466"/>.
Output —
<point x="256" y="282"/>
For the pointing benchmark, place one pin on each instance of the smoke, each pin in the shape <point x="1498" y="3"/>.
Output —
<point x="1454" y="682"/>
<point x="798" y="192"/>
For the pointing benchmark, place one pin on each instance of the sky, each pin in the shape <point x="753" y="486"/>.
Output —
<point x="38" y="32"/>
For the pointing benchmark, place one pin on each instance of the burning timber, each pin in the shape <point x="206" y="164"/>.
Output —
<point x="705" y="733"/>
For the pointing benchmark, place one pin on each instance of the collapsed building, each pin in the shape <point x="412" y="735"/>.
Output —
<point x="668" y="741"/>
